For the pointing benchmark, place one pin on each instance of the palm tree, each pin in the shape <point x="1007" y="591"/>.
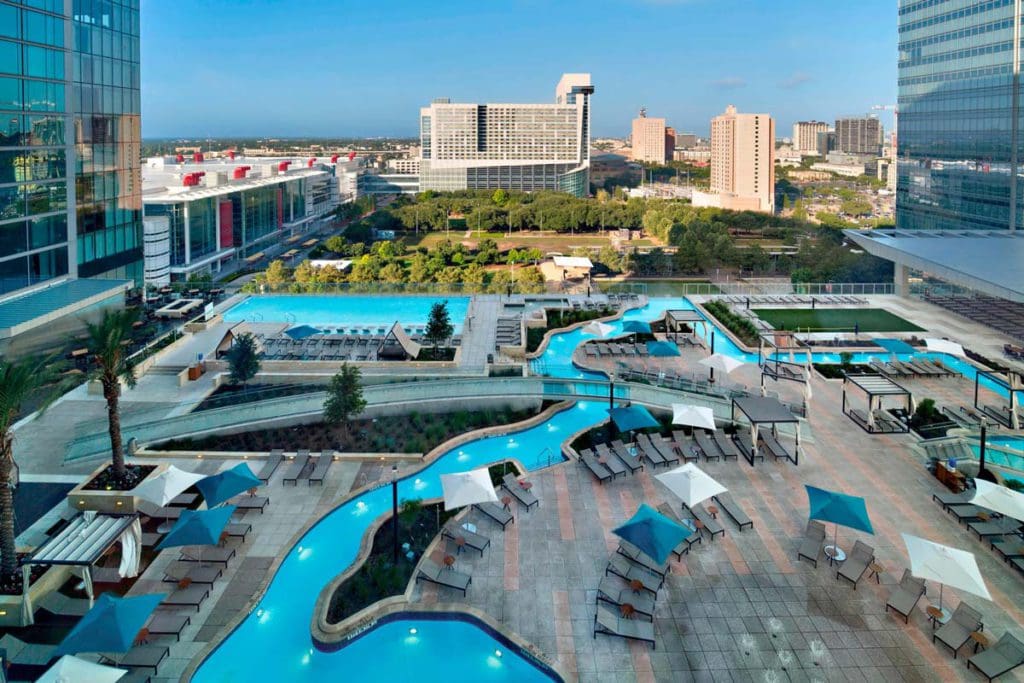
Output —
<point x="18" y="381"/>
<point x="106" y="340"/>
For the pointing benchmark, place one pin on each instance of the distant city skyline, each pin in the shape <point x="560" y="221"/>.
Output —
<point x="213" y="69"/>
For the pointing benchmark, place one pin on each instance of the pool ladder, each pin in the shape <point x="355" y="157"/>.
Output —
<point x="550" y="455"/>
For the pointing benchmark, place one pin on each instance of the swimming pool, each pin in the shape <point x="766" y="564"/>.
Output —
<point x="273" y="642"/>
<point x="354" y="314"/>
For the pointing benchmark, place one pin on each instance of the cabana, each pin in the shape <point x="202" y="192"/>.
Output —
<point x="761" y="410"/>
<point x="1011" y="383"/>
<point x="776" y="356"/>
<point x="877" y="389"/>
<point x="397" y="344"/>
<point x="677" y="321"/>
<point x="85" y="539"/>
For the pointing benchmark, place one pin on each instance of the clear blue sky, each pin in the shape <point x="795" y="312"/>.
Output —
<point x="364" y="67"/>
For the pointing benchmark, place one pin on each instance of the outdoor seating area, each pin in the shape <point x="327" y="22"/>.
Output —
<point x="1000" y="314"/>
<point x="792" y="300"/>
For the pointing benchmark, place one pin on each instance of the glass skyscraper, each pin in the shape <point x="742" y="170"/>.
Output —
<point x="959" y="146"/>
<point x="70" y="181"/>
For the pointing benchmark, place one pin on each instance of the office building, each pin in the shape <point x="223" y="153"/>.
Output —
<point x="523" y="147"/>
<point x="859" y="135"/>
<point x="201" y="215"/>
<point x="958" y="207"/>
<point x="71" y="217"/>
<point x="826" y="143"/>
<point x="805" y="136"/>
<point x="649" y="138"/>
<point x="686" y="140"/>
<point x="670" y="142"/>
<point x="742" y="162"/>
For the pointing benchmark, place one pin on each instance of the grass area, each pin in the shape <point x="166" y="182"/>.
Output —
<point x="548" y="241"/>
<point x="835" y="320"/>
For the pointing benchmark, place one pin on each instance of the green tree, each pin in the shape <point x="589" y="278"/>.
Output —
<point x="113" y="367"/>
<point x="344" y="397"/>
<point x="19" y="381"/>
<point x="439" y="325"/>
<point x="393" y="273"/>
<point x="276" y="274"/>
<point x="529" y="280"/>
<point x="243" y="359"/>
<point x="474" y="277"/>
<point x="418" y="269"/>
<point x="500" y="197"/>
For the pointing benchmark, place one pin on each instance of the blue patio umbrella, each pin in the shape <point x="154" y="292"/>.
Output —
<point x="840" y="509"/>
<point x="653" y="533"/>
<point x="636" y="327"/>
<point x="632" y="417"/>
<point x="302" y="331"/>
<point x="220" y="487"/>
<point x="662" y="349"/>
<point x="111" y="625"/>
<point x="198" y="527"/>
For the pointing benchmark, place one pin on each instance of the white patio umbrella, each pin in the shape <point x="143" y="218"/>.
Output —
<point x="693" y="416"/>
<point x="949" y="566"/>
<point x="69" y="669"/>
<point x="467" y="488"/>
<point x="598" y="329"/>
<point x="944" y="346"/>
<point x="1000" y="499"/>
<point x="166" y="486"/>
<point x="690" y="483"/>
<point x="721" y="362"/>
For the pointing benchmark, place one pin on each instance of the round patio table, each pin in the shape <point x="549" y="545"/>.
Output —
<point x="627" y="610"/>
<point x="835" y="554"/>
<point x="506" y="501"/>
<point x="713" y="511"/>
<point x="980" y="640"/>
<point x="449" y="561"/>
<point x="460" y="542"/>
<point x="527" y="485"/>
<point x="636" y="585"/>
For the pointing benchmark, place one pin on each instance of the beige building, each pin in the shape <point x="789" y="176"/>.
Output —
<point x="649" y="138"/>
<point x="805" y="136"/>
<point x="743" y="160"/>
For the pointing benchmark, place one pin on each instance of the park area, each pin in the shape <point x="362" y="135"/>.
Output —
<point x="835" y="320"/>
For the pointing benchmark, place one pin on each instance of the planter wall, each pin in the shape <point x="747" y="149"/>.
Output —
<point x="111" y="502"/>
<point x="10" y="605"/>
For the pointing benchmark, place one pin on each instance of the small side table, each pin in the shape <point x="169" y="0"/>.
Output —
<point x="507" y="502"/>
<point x="636" y="585"/>
<point x="527" y="485"/>
<point x="627" y="610"/>
<point x="980" y="640"/>
<point x="713" y="511"/>
<point x="875" y="570"/>
<point x="934" y="615"/>
<point x="449" y="561"/>
<point x="834" y="554"/>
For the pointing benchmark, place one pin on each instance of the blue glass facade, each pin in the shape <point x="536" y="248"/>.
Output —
<point x="959" y="116"/>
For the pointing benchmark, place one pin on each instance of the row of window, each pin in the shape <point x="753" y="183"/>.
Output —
<point x="956" y="15"/>
<point x="54" y="6"/>
<point x="105" y="99"/>
<point x="917" y="60"/>
<point x="108" y="242"/>
<point x="34" y="27"/>
<point x="106" y="43"/>
<point x="31" y="131"/>
<point x="962" y="74"/>
<point x="29" y="95"/>
<point x="32" y="199"/>
<point x="23" y="165"/>
<point x="22" y="236"/>
<point x="20" y="59"/>
<point x="968" y="32"/>
<point x="919" y="5"/>
<point x="105" y="71"/>
<point x="22" y="271"/>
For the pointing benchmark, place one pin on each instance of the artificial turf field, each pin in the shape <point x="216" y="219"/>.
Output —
<point x="835" y="320"/>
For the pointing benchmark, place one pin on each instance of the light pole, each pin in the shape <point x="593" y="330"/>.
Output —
<point x="394" y="508"/>
<point x="711" y="378"/>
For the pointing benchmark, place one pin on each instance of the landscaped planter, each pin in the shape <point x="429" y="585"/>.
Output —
<point x="111" y="502"/>
<point x="10" y="605"/>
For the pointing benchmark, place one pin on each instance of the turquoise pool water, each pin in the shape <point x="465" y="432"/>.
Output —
<point x="273" y="642"/>
<point x="354" y="314"/>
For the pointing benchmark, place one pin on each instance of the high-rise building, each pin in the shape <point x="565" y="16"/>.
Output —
<point x="826" y="143"/>
<point x="70" y="182"/>
<point x="509" y="146"/>
<point x="670" y="143"/>
<point x="686" y="140"/>
<point x="859" y="135"/>
<point x="743" y="160"/>
<point x="959" y="155"/>
<point x="648" y="138"/>
<point x="805" y="135"/>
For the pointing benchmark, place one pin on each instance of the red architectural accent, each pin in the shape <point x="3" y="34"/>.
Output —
<point x="197" y="157"/>
<point x="192" y="179"/>
<point x="179" y="159"/>
<point x="227" y="235"/>
<point x="351" y="156"/>
<point x="311" y="162"/>
<point x="231" y="154"/>
<point x="280" y="208"/>
<point x="283" y="166"/>
<point x="334" y="158"/>
<point x="240" y="171"/>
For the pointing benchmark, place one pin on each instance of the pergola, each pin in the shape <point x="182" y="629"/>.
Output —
<point x="397" y="344"/>
<point x="771" y="351"/>
<point x="761" y="410"/>
<point x="85" y="539"/>
<point x="676" y="319"/>
<point x="877" y="388"/>
<point x="1011" y="383"/>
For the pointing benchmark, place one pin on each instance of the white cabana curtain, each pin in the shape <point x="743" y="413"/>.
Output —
<point x="872" y="407"/>
<point x="27" y="612"/>
<point x="87" y="580"/>
<point x="131" y="550"/>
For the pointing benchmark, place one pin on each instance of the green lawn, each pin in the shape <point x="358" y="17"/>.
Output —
<point x="835" y="320"/>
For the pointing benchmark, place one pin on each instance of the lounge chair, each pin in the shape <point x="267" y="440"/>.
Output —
<point x="947" y="498"/>
<point x="619" y="450"/>
<point x="599" y="470"/>
<point x="611" y="591"/>
<point x="856" y="563"/>
<point x="735" y="512"/>
<point x="323" y="463"/>
<point x="164" y="624"/>
<point x="664" y="449"/>
<point x="814" y="538"/>
<point x="157" y="512"/>
<point x="191" y="596"/>
<point x="746" y="444"/>
<point x="997" y="527"/>
<point x="472" y="540"/>
<point x="774" y="447"/>
<point x="497" y="513"/>
<point x="1003" y="657"/>
<point x="193" y="573"/>
<point x="1009" y="548"/>
<point x="955" y="633"/>
<point x="238" y="530"/>
<point x="684" y="547"/>
<point x="711" y="525"/>
<point x="707" y="445"/>
<point x="905" y="596"/>
<point x="270" y="466"/>
<point x="621" y="566"/>
<point x="139" y="657"/>
<point x="726" y="445"/>
<point x="430" y="571"/>
<point x="512" y="485"/>
<point x="633" y="553"/>
<point x="295" y="469"/>
<point x="966" y="512"/>
<point x="607" y="622"/>
<point x="244" y="503"/>
<point x="686" y="446"/>
<point x="647" y="449"/>
<point x="209" y="555"/>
